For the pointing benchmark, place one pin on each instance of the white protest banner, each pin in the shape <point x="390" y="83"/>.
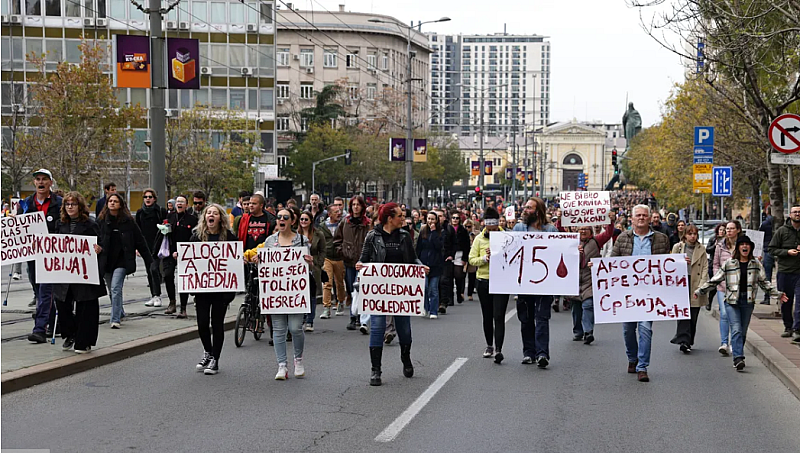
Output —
<point x="584" y="208"/>
<point x="210" y="267"/>
<point x="17" y="236"/>
<point x="510" y="214"/>
<point x="67" y="258"/>
<point x="534" y="263"/>
<point x="392" y="289"/>
<point x="640" y="288"/>
<point x="284" y="281"/>
<point x="758" y="239"/>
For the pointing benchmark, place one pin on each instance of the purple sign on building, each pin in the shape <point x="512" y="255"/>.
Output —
<point x="397" y="150"/>
<point x="184" y="65"/>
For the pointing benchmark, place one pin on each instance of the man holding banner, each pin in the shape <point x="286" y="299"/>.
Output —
<point x="641" y="240"/>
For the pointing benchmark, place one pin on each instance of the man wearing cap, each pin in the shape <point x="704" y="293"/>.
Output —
<point x="44" y="200"/>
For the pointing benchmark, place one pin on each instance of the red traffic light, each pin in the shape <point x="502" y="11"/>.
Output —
<point x="613" y="152"/>
<point x="477" y="189"/>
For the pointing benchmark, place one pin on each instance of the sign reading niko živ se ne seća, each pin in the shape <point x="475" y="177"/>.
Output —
<point x="392" y="289"/>
<point x="210" y="267"/>
<point x="640" y="288"/>
<point x="17" y="237"/>
<point x="284" y="280"/>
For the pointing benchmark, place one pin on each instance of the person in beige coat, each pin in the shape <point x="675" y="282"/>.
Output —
<point x="698" y="274"/>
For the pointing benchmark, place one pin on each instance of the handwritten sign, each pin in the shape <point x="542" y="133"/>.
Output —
<point x="66" y="258"/>
<point x="283" y="280"/>
<point x="210" y="267"/>
<point x="17" y="236"/>
<point x="392" y="289"/>
<point x="640" y="288"/>
<point x="510" y="214"/>
<point x="14" y="206"/>
<point x="584" y="208"/>
<point x="758" y="239"/>
<point x="534" y="263"/>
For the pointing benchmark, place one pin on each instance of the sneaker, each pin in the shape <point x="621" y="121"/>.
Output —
<point x="434" y="316"/>
<point x="796" y="336"/>
<point x="488" y="352"/>
<point x="739" y="364"/>
<point x="16" y="276"/>
<point x="37" y="337"/>
<point x="83" y="351"/>
<point x="212" y="368"/>
<point x="577" y="337"/>
<point x="388" y="338"/>
<point x="115" y="325"/>
<point x="425" y="313"/>
<point x="685" y="348"/>
<point x="299" y="369"/>
<point x="527" y="360"/>
<point x="724" y="349"/>
<point x="326" y="314"/>
<point x="786" y="333"/>
<point x="340" y="309"/>
<point x="204" y="362"/>
<point x="588" y="338"/>
<point x="442" y="310"/>
<point x="542" y="361"/>
<point x="69" y="343"/>
<point x="309" y="328"/>
<point x="352" y="325"/>
<point x="152" y="302"/>
<point x="283" y="372"/>
<point x="498" y="357"/>
<point x="157" y="301"/>
<point x="643" y="377"/>
<point x="796" y="340"/>
<point x="363" y="329"/>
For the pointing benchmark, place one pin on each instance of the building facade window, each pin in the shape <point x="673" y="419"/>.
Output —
<point x="282" y="123"/>
<point x="282" y="90"/>
<point x="372" y="61"/>
<point x="306" y="58"/>
<point x="283" y="57"/>
<point x="306" y="91"/>
<point x="385" y="61"/>
<point x="352" y="60"/>
<point x="352" y="92"/>
<point x="330" y="58"/>
<point x="267" y="101"/>
<point x="372" y="91"/>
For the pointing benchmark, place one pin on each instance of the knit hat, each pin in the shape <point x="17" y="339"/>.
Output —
<point x="743" y="239"/>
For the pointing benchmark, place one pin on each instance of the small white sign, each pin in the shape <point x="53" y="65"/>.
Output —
<point x="758" y="239"/>
<point x="510" y="214"/>
<point x="269" y="171"/>
<point x="785" y="159"/>
<point x="584" y="208"/>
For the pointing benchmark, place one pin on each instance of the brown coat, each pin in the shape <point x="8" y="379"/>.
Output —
<point x="349" y="239"/>
<point x="623" y="246"/>
<point x="698" y="271"/>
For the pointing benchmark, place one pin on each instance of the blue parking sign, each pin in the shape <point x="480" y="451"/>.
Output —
<point x="703" y="136"/>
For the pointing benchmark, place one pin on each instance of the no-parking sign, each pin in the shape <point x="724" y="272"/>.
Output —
<point x="784" y="133"/>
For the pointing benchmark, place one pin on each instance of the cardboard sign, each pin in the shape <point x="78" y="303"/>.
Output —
<point x="534" y="263"/>
<point x="640" y="288"/>
<point x="283" y="280"/>
<point x="67" y="258"/>
<point x="510" y="214"/>
<point x="14" y="206"/>
<point x="210" y="267"/>
<point x="584" y="208"/>
<point x="758" y="239"/>
<point x="392" y="289"/>
<point x="17" y="236"/>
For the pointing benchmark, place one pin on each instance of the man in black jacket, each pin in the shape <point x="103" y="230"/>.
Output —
<point x="448" y="251"/>
<point x="46" y="201"/>
<point x="147" y="219"/>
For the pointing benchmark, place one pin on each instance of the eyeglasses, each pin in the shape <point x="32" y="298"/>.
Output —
<point x="456" y="217"/>
<point x="148" y="196"/>
<point x="284" y="217"/>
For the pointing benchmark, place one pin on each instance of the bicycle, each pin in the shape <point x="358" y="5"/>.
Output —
<point x="249" y="318"/>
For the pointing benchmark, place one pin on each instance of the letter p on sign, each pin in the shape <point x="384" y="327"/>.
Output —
<point x="703" y="135"/>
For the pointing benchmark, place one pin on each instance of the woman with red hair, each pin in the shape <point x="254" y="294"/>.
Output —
<point x="388" y="242"/>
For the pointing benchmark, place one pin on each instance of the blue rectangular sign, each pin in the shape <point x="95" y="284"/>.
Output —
<point x="703" y="159"/>
<point x="722" y="182"/>
<point x="703" y="136"/>
<point x="703" y="150"/>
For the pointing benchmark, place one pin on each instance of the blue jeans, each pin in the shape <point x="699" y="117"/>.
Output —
<point x="739" y="316"/>
<point x="638" y="351"/>
<point x="769" y="264"/>
<point x="294" y="324"/>
<point x="114" y="282"/>
<point x="533" y="313"/>
<point x="377" y="328"/>
<point x="790" y="284"/>
<point x="432" y="294"/>
<point x="350" y="274"/>
<point x="724" y="326"/>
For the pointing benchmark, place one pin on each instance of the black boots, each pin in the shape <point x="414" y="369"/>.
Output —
<point x="375" y="357"/>
<point x="405" y="357"/>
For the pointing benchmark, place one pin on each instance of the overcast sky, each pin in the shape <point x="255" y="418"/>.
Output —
<point x="599" y="51"/>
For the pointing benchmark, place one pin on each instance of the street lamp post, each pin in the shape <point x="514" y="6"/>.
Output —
<point x="408" y="190"/>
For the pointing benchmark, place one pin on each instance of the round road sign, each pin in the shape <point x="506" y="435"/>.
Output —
<point x="784" y="133"/>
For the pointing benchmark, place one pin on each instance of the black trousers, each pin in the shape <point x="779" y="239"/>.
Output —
<point x="154" y="278"/>
<point x="214" y="310"/>
<point x="471" y="278"/>
<point x="169" y="281"/>
<point x="687" y="328"/>
<point x="493" y="309"/>
<point x="461" y="279"/>
<point x="82" y="324"/>
<point x="446" y="285"/>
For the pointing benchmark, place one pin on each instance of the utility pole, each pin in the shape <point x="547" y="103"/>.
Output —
<point x="480" y="159"/>
<point x="408" y="195"/>
<point x="157" y="114"/>
<point x="525" y="168"/>
<point x="514" y="169"/>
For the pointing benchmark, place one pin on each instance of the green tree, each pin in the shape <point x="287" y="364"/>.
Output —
<point x="321" y="142"/>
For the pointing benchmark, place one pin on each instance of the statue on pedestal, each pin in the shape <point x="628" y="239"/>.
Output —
<point x="631" y="124"/>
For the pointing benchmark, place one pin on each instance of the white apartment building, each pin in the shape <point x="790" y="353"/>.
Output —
<point x="503" y="78"/>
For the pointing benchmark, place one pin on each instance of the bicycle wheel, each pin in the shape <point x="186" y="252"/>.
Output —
<point x="240" y="329"/>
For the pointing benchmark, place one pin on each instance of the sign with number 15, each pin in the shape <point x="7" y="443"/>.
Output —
<point x="534" y="263"/>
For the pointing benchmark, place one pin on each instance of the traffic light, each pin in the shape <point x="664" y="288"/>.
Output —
<point x="586" y="180"/>
<point x="348" y="156"/>
<point x="614" y="158"/>
<point x="478" y="193"/>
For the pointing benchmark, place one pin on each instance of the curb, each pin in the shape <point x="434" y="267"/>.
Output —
<point x="780" y="366"/>
<point x="13" y="381"/>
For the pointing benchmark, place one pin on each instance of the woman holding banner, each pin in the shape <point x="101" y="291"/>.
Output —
<point x="743" y="274"/>
<point x="429" y="250"/>
<point x="212" y="226"/>
<point x="78" y="329"/>
<point x="389" y="243"/>
<point x="723" y="252"/>
<point x="281" y="323"/>
<point x="120" y="239"/>
<point x="698" y="275"/>
<point x="314" y="237"/>
<point x="493" y="306"/>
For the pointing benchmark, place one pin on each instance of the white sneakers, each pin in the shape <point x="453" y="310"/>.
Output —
<point x="155" y="301"/>
<point x="283" y="372"/>
<point x="16" y="276"/>
<point x="725" y="349"/>
<point x="434" y="316"/>
<point x="115" y="325"/>
<point x="340" y="309"/>
<point x="299" y="370"/>
<point x="326" y="314"/>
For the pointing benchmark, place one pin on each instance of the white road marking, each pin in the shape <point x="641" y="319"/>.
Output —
<point x="393" y="430"/>
<point x="511" y="314"/>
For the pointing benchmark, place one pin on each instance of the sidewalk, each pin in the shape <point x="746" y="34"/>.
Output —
<point x="779" y="355"/>
<point x="24" y="364"/>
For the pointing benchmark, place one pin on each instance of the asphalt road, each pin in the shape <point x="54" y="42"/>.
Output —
<point x="585" y="400"/>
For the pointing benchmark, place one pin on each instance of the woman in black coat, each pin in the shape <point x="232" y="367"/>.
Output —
<point x="120" y="239"/>
<point x="181" y="224"/>
<point x="462" y="255"/>
<point x="78" y="328"/>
